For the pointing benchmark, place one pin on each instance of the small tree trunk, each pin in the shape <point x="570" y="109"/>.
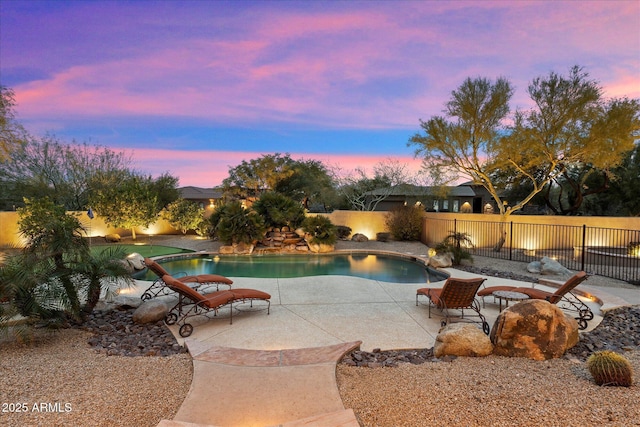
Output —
<point x="503" y="234"/>
<point x="133" y="233"/>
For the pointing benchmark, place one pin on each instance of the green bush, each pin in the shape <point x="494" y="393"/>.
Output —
<point x="183" y="215"/>
<point x="321" y="229"/>
<point x="405" y="222"/>
<point x="232" y="223"/>
<point x="278" y="210"/>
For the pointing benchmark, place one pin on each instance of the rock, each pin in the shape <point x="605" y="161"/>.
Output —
<point x="534" y="267"/>
<point x="136" y="261"/>
<point x="150" y="311"/>
<point x="534" y="329"/>
<point x="242" y="248"/>
<point x="440" y="261"/>
<point x="320" y="247"/>
<point x="359" y="237"/>
<point x="226" y="250"/>
<point x="548" y="266"/>
<point x="462" y="339"/>
<point x="112" y="238"/>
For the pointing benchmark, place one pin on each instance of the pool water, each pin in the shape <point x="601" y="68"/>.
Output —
<point x="369" y="266"/>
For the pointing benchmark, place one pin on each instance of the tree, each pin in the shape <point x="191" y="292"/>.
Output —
<point x="251" y="179"/>
<point x="183" y="215"/>
<point x="570" y="124"/>
<point x="311" y="184"/>
<point x="127" y="200"/>
<point x="12" y="134"/>
<point x="364" y="193"/>
<point x="48" y="167"/>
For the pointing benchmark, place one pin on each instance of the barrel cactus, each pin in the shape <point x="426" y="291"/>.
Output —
<point x="610" y="368"/>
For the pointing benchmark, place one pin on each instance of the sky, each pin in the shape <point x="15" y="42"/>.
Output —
<point x="193" y="88"/>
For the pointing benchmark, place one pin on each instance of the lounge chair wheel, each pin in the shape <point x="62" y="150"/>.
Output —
<point x="582" y="323"/>
<point x="586" y="315"/>
<point x="185" y="330"/>
<point x="485" y="328"/>
<point x="146" y="296"/>
<point x="171" y="318"/>
<point x="443" y="323"/>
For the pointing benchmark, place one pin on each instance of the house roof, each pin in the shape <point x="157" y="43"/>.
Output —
<point x="198" y="193"/>
<point x="417" y="190"/>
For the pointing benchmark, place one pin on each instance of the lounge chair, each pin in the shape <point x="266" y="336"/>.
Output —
<point x="195" y="281"/>
<point x="563" y="297"/>
<point x="193" y="303"/>
<point x="458" y="294"/>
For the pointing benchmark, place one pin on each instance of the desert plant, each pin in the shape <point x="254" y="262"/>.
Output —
<point x="278" y="210"/>
<point x="610" y="368"/>
<point x="457" y="244"/>
<point x="343" y="232"/>
<point x="405" y="222"/>
<point x="321" y="229"/>
<point x="234" y="224"/>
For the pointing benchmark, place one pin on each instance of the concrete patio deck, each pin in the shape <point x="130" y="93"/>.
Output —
<point x="279" y="369"/>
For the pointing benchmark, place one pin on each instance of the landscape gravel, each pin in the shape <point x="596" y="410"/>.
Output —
<point x="115" y="374"/>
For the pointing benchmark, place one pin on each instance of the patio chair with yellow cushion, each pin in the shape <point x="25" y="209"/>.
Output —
<point x="455" y="294"/>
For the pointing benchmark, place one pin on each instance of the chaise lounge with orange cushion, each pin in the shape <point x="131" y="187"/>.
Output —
<point x="458" y="294"/>
<point x="563" y="296"/>
<point x="193" y="303"/>
<point x="196" y="281"/>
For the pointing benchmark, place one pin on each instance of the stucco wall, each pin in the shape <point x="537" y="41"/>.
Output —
<point x="10" y="237"/>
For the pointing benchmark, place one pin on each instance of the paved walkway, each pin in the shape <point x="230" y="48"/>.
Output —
<point x="279" y="369"/>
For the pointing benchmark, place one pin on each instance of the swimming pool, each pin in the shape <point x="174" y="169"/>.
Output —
<point x="385" y="268"/>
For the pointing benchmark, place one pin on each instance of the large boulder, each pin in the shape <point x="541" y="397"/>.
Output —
<point x="462" y="339"/>
<point x="548" y="266"/>
<point x="441" y="261"/>
<point x="112" y="238"/>
<point x="136" y="261"/>
<point x="534" y="329"/>
<point x="320" y="247"/>
<point x="359" y="237"/>
<point x="150" y="312"/>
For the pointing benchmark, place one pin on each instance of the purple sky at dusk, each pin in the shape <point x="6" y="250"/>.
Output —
<point x="194" y="87"/>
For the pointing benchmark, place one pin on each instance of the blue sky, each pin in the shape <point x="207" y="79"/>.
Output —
<point x="194" y="87"/>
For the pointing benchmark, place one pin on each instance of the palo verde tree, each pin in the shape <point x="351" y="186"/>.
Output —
<point x="570" y="123"/>
<point x="12" y="134"/>
<point x="364" y="193"/>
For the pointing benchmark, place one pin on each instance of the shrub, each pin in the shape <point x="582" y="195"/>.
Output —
<point x="610" y="368"/>
<point x="383" y="237"/>
<point x="232" y="223"/>
<point x="321" y="229"/>
<point x="183" y="215"/>
<point x="456" y="244"/>
<point x="405" y="223"/>
<point x="278" y="210"/>
<point x="343" y="232"/>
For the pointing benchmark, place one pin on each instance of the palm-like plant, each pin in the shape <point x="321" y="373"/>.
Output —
<point x="457" y="244"/>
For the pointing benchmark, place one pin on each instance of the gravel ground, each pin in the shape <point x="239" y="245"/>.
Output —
<point x="60" y="380"/>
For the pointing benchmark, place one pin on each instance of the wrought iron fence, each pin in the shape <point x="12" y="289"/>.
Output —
<point x="606" y="252"/>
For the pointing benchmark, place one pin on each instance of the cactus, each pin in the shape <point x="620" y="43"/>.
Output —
<point x="610" y="368"/>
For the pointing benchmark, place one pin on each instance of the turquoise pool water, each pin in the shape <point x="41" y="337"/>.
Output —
<point x="369" y="266"/>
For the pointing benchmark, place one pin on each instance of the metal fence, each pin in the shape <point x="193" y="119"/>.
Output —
<point x="606" y="252"/>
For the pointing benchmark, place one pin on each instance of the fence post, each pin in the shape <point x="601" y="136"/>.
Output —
<point x="455" y="226"/>
<point x="511" y="241"/>
<point x="584" y="245"/>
